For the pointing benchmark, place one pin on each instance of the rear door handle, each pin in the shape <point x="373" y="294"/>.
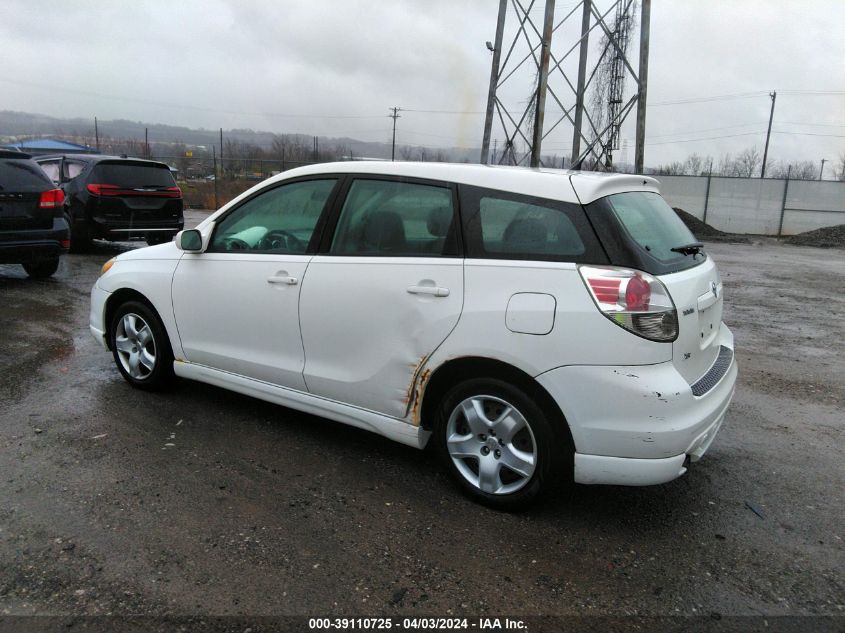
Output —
<point x="290" y="281"/>
<point x="428" y="290"/>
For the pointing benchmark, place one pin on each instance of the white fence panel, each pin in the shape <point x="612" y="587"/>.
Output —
<point x="685" y="192"/>
<point x="755" y="205"/>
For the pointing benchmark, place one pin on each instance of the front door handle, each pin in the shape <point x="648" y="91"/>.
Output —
<point x="290" y="281"/>
<point x="428" y="290"/>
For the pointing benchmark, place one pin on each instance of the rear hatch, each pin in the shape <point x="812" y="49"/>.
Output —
<point x="647" y="234"/>
<point x="21" y="184"/>
<point x="135" y="193"/>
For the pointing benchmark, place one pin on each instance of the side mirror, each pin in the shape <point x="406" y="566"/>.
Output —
<point x="190" y="241"/>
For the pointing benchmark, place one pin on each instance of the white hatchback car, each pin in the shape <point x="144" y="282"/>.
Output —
<point x="539" y="325"/>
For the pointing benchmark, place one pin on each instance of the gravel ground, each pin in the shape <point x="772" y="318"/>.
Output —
<point x="827" y="237"/>
<point x="260" y="510"/>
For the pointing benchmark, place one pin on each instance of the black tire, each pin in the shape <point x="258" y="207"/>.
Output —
<point x="41" y="269"/>
<point x="80" y="238"/>
<point x="158" y="238"/>
<point x="550" y="444"/>
<point x="129" y="351"/>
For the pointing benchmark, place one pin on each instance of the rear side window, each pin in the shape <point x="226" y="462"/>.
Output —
<point x="651" y="223"/>
<point x="73" y="169"/>
<point x="22" y="176"/>
<point x="390" y="218"/>
<point x="51" y="168"/>
<point x="133" y="176"/>
<point x="502" y="225"/>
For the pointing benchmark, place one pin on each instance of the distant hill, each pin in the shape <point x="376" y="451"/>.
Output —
<point x="19" y="125"/>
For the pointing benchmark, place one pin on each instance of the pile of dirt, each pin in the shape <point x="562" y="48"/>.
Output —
<point x="827" y="237"/>
<point x="705" y="232"/>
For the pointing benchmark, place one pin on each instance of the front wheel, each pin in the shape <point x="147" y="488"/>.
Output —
<point x="499" y="446"/>
<point x="140" y="346"/>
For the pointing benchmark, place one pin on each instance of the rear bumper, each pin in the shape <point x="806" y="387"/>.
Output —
<point x="24" y="246"/>
<point x="638" y="425"/>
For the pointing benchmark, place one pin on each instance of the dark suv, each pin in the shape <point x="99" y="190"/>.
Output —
<point x="116" y="198"/>
<point x="33" y="229"/>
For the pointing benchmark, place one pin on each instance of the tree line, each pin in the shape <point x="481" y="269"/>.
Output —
<point x="748" y="164"/>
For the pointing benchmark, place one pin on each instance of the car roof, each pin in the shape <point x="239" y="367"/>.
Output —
<point x="559" y="184"/>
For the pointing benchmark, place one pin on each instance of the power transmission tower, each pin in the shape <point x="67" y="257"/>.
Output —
<point x="395" y="115"/>
<point x="530" y="125"/>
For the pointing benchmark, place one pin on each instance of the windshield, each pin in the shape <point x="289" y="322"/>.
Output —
<point x="134" y="176"/>
<point x="652" y="224"/>
<point x="22" y="176"/>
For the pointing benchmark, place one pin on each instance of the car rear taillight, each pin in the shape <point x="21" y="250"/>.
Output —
<point x="65" y="243"/>
<point x="634" y="300"/>
<point x="116" y="190"/>
<point x="51" y="199"/>
<point x="103" y="190"/>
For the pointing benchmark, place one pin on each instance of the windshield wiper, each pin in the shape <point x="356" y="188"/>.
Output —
<point x="693" y="248"/>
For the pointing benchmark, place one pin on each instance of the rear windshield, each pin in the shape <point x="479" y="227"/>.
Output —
<point x="133" y="176"/>
<point x="651" y="223"/>
<point x="22" y="176"/>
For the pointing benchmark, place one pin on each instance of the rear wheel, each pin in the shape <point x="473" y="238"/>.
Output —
<point x="41" y="269"/>
<point x="499" y="446"/>
<point x="140" y="346"/>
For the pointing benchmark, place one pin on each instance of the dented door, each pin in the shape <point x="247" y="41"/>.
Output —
<point x="369" y="323"/>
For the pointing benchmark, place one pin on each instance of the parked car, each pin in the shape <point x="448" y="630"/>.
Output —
<point x="116" y="198"/>
<point x="535" y="326"/>
<point x="33" y="229"/>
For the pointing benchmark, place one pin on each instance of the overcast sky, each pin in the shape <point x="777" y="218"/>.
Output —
<point x="333" y="67"/>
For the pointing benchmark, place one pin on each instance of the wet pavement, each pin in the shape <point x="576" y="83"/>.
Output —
<point x="202" y="501"/>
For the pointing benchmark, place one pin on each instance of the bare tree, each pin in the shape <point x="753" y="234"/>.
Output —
<point x="747" y="162"/>
<point x="693" y="165"/>
<point x="839" y="171"/>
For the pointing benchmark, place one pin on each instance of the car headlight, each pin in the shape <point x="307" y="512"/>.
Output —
<point x="107" y="266"/>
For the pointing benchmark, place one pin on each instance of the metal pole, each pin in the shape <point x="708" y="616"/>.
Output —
<point x="214" y="156"/>
<point x="642" y="94"/>
<point x="542" y="83"/>
<point x="394" y="116"/>
<point x="773" y="95"/>
<point x="494" y="80"/>
<point x="96" y="134"/>
<point x="706" y="198"/>
<point x="783" y="203"/>
<point x="582" y="75"/>
<point x="821" y="171"/>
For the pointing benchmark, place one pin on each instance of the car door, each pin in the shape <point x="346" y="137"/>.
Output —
<point x="384" y="293"/>
<point x="237" y="304"/>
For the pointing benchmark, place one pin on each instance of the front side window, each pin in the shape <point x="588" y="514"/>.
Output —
<point x="281" y="220"/>
<point x="390" y="218"/>
<point x="503" y="225"/>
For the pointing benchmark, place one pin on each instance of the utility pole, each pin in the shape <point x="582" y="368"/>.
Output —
<point x="542" y="83"/>
<point x="642" y="93"/>
<point x="582" y="76"/>
<point x="96" y="134"/>
<point x="773" y="95"/>
<point x="214" y="157"/>
<point x="147" y="142"/>
<point x="821" y="171"/>
<point x="394" y="116"/>
<point x="494" y="80"/>
<point x="222" y="167"/>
